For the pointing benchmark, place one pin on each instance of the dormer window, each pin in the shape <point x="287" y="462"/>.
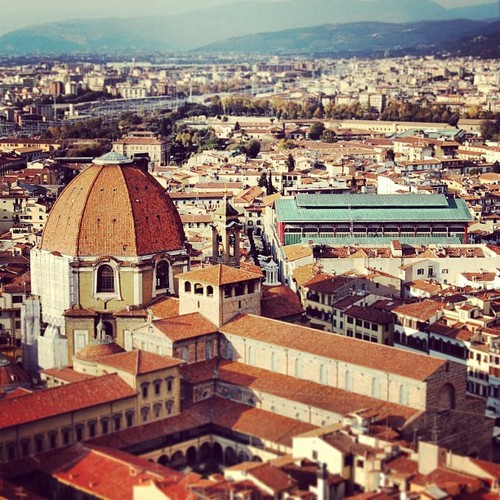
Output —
<point x="162" y="275"/>
<point x="105" y="279"/>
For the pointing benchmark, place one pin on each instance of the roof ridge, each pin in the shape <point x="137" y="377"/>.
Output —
<point x="89" y="190"/>
<point x="130" y="204"/>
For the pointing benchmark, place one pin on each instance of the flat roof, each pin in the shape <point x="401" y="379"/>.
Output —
<point x="332" y="208"/>
<point x="370" y="200"/>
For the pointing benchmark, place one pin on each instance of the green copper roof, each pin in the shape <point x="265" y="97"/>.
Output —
<point x="370" y="200"/>
<point x="112" y="158"/>
<point x="372" y="241"/>
<point x="371" y="208"/>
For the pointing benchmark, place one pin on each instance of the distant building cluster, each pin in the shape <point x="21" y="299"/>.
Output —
<point x="320" y="318"/>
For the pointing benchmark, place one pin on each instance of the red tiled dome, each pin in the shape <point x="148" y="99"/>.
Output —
<point x="95" y="350"/>
<point x="113" y="208"/>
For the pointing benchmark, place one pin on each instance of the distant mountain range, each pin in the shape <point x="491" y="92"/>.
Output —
<point x="374" y="39"/>
<point x="205" y="27"/>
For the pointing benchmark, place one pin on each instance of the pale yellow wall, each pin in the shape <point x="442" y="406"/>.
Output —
<point x="68" y="420"/>
<point x="337" y="371"/>
<point x="152" y="399"/>
<point x="73" y="324"/>
<point x="87" y="295"/>
<point x="96" y="413"/>
<point x="219" y="309"/>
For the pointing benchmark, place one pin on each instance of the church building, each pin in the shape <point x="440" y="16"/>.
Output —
<point x="113" y="243"/>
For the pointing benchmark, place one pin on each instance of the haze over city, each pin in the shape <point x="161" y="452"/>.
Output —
<point x="250" y="249"/>
<point x="23" y="13"/>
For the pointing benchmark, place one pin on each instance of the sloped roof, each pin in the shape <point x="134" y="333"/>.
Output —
<point x="219" y="274"/>
<point x="357" y="352"/>
<point x="63" y="399"/>
<point x="139" y="362"/>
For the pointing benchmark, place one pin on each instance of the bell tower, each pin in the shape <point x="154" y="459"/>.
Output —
<point x="226" y="232"/>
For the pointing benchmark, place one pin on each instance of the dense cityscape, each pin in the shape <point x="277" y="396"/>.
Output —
<point x="228" y="275"/>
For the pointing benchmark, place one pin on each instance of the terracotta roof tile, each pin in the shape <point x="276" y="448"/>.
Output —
<point x="139" y="362"/>
<point x="357" y="352"/>
<point x="490" y="468"/>
<point x="479" y="276"/>
<point x="95" y="350"/>
<point x="238" y="417"/>
<point x="296" y="252"/>
<point x="122" y="473"/>
<point x="272" y="477"/>
<point x="185" y="327"/>
<point x="219" y="274"/>
<point x="371" y="314"/>
<point x="280" y="302"/>
<point x="63" y="399"/>
<point x="423" y="311"/>
<point x="311" y="393"/>
<point x="12" y="375"/>
<point x="113" y="210"/>
<point x="195" y="373"/>
<point x="326" y="283"/>
<point x="67" y="374"/>
<point x="303" y="274"/>
<point x="166" y="307"/>
<point x="403" y="465"/>
<point x="20" y="284"/>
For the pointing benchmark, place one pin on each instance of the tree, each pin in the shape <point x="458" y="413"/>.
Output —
<point x="285" y="144"/>
<point x="290" y="163"/>
<point x="262" y="182"/>
<point x="389" y="155"/>
<point x="270" y="188"/>
<point x="316" y="130"/>
<point x="488" y="130"/>
<point x="252" y="148"/>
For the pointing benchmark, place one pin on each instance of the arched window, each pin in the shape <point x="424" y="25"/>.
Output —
<point x="447" y="397"/>
<point x="198" y="289"/>
<point x="162" y="275"/>
<point x="210" y="291"/>
<point x="169" y="405"/>
<point x="105" y="279"/>
<point x="187" y="286"/>
<point x="157" y="410"/>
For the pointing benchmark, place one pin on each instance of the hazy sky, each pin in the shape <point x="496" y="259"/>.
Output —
<point x="18" y="13"/>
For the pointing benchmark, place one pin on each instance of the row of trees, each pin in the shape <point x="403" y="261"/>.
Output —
<point x="490" y="129"/>
<point x="283" y="109"/>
